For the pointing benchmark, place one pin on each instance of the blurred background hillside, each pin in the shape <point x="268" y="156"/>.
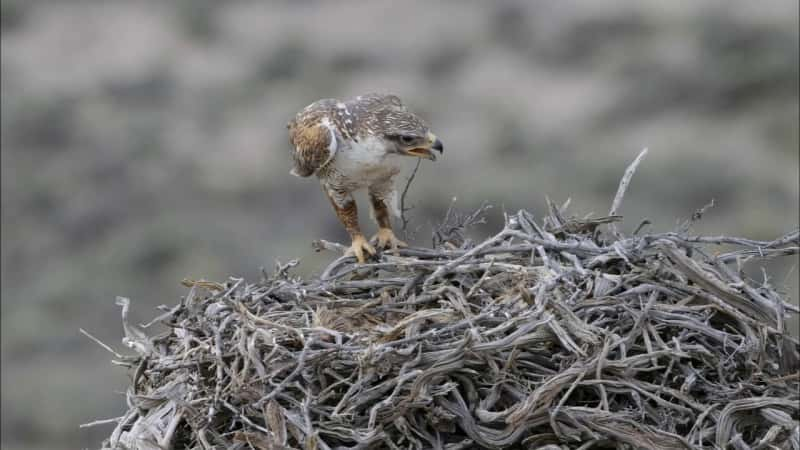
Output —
<point x="144" y="142"/>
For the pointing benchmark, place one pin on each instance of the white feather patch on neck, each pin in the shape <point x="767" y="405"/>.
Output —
<point x="333" y="146"/>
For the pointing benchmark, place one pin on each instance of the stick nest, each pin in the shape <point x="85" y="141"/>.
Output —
<point x="552" y="334"/>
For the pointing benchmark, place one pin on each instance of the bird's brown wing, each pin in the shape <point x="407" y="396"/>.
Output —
<point x="312" y="143"/>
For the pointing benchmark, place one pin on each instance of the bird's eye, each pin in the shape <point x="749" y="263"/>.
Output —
<point x="406" y="139"/>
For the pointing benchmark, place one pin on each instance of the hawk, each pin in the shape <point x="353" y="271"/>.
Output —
<point x="355" y="144"/>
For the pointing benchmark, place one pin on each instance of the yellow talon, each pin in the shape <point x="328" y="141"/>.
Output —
<point x="357" y="248"/>
<point x="385" y="238"/>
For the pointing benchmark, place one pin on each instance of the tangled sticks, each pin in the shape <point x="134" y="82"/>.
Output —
<point x="548" y="335"/>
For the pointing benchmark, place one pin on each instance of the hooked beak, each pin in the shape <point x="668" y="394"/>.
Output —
<point x="425" y="151"/>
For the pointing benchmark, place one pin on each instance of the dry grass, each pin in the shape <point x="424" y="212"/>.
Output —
<point x="552" y="334"/>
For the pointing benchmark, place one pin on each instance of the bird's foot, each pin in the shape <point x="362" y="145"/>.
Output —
<point x="385" y="238"/>
<point x="358" y="247"/>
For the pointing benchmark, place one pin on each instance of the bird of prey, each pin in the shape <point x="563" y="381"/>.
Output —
<point x="355" y="144"/>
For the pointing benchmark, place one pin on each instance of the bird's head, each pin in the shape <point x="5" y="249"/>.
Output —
<point x="420" y="143"/>
<point x="403" y="132"/>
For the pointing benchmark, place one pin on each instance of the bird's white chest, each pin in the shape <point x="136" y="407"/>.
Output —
<point x="366" y="161"/>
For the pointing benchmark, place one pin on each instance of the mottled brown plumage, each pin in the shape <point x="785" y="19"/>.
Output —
<point x="353" y="144"/>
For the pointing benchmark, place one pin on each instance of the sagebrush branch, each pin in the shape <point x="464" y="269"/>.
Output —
<point x="549" y="333"/>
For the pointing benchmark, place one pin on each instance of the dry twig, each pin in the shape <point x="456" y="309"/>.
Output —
<point x="546" y="335"/>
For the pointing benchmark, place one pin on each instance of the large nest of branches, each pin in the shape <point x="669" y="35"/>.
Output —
<point x="554" y="333"/>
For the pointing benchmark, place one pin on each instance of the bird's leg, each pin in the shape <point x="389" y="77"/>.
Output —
<point x="347" y="212"/>
<point x="385" y="237"/>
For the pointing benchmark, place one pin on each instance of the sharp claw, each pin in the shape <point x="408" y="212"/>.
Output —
<point x="357" y="249"/>
<point x="359" y="255"/>
<point x="386" y="239"/>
